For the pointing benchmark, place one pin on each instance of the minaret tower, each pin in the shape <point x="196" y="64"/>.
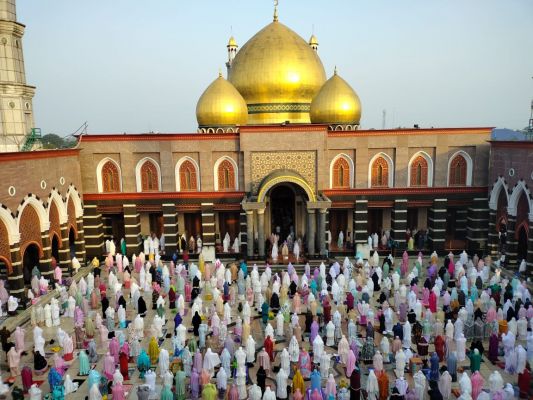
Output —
<point x="16" y="109"/>
<point x="232" y="52"/>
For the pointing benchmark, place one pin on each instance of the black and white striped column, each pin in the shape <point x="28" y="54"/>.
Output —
<point x="461" y="223"/>
<point x="360" y="222"/>
<point x="64" y="252"/>
<point x="93" y="229"/>
<point x="16" y="278"/>
<point x="45" y="263"/>
<point x="243" y="232"/>
<point x="478" y="224"/>
<point x="170" y="221"/>
<point x="437" y="224"/>
<point x="208" y="224"/>
<point x="529" y="259"/>
<point x="132" y="227"/>
<point x="80" y="241"/>
<point x="399" y="222"/>
<point x="493" y="234"/>
<point x="511" y="253"/>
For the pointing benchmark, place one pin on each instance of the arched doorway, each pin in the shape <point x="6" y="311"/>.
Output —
<point x="30" y="259"/>
<point x="72" y="243"/>
<point x="55" y="247"/>
<point x="282" y="207"/>
<point x="522" y="236"/>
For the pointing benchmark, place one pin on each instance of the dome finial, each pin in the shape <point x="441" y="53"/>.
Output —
<point x="275" y="10"/>
<point x="335" y="70"/>
<point x="220" y="72"/>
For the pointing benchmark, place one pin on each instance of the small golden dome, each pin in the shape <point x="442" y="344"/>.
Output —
<point x="278" y="74"/>
<point x="336" y="103"/>
<point x="313" y="40"/>
<point x="232" y="42"/>
<point x="221" y="105"/>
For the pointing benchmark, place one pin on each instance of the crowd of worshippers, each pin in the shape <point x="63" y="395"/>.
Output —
<point x="342" y="309"/>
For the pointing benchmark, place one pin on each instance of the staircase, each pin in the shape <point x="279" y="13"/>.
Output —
<point x="33" y="137"/>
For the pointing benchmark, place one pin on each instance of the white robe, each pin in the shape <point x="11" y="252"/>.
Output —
<point x="163" y="362"/>
<point x="211" y="360"/>
<point x="250" y="350"/>
<point x="372" y="386"/>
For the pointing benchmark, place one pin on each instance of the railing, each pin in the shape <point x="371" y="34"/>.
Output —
<point x="33" y="137"/>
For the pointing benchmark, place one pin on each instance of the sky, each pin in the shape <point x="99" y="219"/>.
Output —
<point x="139" y="66"/>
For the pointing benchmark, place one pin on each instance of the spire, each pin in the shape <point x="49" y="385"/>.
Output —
<point x="275" y="10"/>
<point x="335" y="70"/>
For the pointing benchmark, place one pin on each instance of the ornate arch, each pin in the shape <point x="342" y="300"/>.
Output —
<point x="187" y="164"/>
<point x="469" y="166"/>
<point x="386" y="162"/>
<point x="282" y="176"/>
<point x="72" y="222"/>
<point x="55" y="197"/>
<point x="334" y="178"/>
<point x="225" y="161"/>
<point x="420" y="163"/>
<point x="10" y="224"/>
<point x="140" y="174"/>
<point x="37" y="204"/>
<point x="55" y="224"/>
<point x="515" y="197"/>
<point x="114" y="168"/>
<point x="72" y="193"/>
<point x="500" y="184"/>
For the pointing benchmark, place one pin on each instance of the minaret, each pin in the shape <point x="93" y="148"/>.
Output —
<point x="232" y="52"/>
<point x="16" y="109"/>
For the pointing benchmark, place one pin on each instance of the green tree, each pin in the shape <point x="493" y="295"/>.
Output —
<point x="52" y="141"/>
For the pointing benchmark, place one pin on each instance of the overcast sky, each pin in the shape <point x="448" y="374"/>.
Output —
<point x="138" y="66"/>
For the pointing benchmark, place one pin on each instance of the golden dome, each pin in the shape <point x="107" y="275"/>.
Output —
<point x="221" y="105"/>
<point x="278" y="74"/>
<point x="232" y="42"/>
<point x="336" y="103"/>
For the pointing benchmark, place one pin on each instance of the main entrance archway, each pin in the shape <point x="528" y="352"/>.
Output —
<point x="282" y="207"/>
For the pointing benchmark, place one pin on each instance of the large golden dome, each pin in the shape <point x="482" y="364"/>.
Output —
<point x="336" y="103"/>
<point x="221" y="105"/>
<point x="278" y="74"/>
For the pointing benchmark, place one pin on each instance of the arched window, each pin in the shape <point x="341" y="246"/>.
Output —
<point x="380" y="173"/>
<point x="340" y="174"/>
<point x="187" y="176"/>
<point x="110" y="177"/>
<point x="458" y="171"/>
<point x="226" y="176"/>
<point x="419" y="172"/>
<point x="149" y="177"/>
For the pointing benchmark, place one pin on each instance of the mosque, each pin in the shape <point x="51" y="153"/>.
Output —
<point x="278" y="149"/>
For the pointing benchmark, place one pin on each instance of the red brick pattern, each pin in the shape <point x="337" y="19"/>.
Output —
<point x="341" y="174"/>
<point x="5" y="253"/>
<point x="458" y="171"/>
<point x="226" y="176"/>
<point x="149" y="177"/>
<point x="419" y="172"/>
<point x="30" y="229"/>
<point x="55" y="226"/>
<point x="110" y="178"/>
<point x="71" y="211"/>
<point x="188" y="176"/>
<point x="380" y="173"/>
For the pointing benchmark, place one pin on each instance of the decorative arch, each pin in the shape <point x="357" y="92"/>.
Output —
<point x="383" y="177"/>
<point x="72" y="193"/>
<point x="499" y="185"/>
<point x="420" y="170"/>
<point x="113" y="176"/>
<point x="55" y="224"/>
<point x="72" y="222"/>
<point x="32" y="221"/>
<point x="283" y="177"/>
<point x="36" y="203"/>
<point x="515" y="197"/>
<point x="148" y="175"/>
<point x="55" y="198"/>
<point x="10" y="225"/>
<point x="468" y="171"/>
<point x="187" y="175"/>
<point x="226" y="174"/>
<point x="341" y="172"/>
